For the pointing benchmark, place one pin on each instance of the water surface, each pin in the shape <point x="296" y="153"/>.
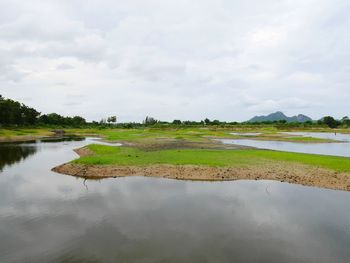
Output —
<point x="322" y="135"/>
<point x="335" y="149"/>
<point x="246" y="133"/>
<point x="48" y="217"/>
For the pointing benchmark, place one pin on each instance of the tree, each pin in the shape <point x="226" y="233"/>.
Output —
<point x="78" y="121"/>
<point x="206" y="121"/>
<point x="14" y="113"/>
<point x="149" y="121"/>
<point x="29" y="115"/>
<point x="55" y="119"/>
<point x="177" y="122"/>
<point x="112" y="119"/>
<point x="215" y="122"/>
<point x="330" y="122"/>
<point x="345" y="121"/>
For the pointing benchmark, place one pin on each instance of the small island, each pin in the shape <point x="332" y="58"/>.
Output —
<point x="205" y="159"/>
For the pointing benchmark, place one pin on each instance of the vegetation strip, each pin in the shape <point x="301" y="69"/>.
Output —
<point x="99" y="161"/>
<point x="152" y="135"/>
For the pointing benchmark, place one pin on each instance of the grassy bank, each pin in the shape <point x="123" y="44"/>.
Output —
<point x="149" y="135"/>
<point x="198" y="134"/>
<point x="125" y="156"/>
<point x="23" y="134"/>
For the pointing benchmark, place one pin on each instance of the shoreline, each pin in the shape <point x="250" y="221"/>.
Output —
<point x="20" y="139"/>
<point x="279" y="171"/>
<point x="207" y="141"/>
<point x="295" y="174"/>
<point x="33" y="138"/>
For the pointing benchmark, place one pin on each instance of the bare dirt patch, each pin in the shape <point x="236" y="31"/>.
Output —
<point x="84" y="151"/>
<point x="284" y="172"/>
<point x="167" y="144"/>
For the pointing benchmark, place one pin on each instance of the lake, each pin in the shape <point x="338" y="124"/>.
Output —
<point x="336" y="149"/>
<point x="246" y="133"/>
<point x="49" y="217"/>
<point x="322" y="135"/>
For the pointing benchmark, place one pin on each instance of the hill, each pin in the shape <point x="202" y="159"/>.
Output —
<point x="278" y="116"/>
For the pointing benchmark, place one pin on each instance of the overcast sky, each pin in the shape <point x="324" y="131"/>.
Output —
<point x="183" y="59"/>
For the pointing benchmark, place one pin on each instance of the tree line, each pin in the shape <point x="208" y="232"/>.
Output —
<point x="328" y="121"/>
<point x="14" y="113"/>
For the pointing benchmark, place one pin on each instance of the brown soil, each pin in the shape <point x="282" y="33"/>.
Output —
<point x="84" y="151"/>
<point x="281" y="171"/>
<point x="166" y="143"/>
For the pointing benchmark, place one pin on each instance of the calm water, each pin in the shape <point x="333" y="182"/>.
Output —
<point x="246" y="133"/>
<point x="323" y="135"/>
<point x="336" y="149"/>
<point x="48" y="217"/>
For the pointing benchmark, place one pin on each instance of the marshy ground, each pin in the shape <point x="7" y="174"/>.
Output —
<point x="194" y="157"/>
<point x="196" y="154"/>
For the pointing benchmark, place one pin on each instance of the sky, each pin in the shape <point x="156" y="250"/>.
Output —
<point x="183" y="59"/>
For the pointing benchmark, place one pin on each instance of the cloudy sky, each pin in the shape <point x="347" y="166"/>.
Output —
<point x="183" y="59"/>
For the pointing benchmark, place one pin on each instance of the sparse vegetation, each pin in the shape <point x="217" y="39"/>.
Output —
<point x="109" y="155"/>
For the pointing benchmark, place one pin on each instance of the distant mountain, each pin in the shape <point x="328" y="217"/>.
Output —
<point x="300" y="118"/>
<point x="278" y="116"/>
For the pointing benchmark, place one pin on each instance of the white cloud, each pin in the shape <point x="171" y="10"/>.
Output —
<point x="177" y="59"/>
<point x="306" y="78"/>
<point x="269" y="37"/>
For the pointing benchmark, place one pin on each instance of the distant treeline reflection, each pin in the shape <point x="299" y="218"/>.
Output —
<point x="14" y="153"/>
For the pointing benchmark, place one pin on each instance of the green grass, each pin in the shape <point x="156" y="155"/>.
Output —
<point x="13" y="133"/>
<point x="109" y="155"/>
<point x="300" y="139"/>
<point x="145" y="134"/>
<point x="308" y="139"/>
<point x="134" y="156"/>
<point x="148" y="135"/>
<point x="191" y="134"/>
